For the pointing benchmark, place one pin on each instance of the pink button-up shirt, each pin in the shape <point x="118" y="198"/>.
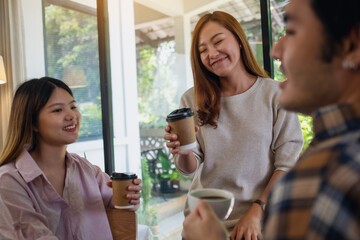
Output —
<point x="37" y="211"/>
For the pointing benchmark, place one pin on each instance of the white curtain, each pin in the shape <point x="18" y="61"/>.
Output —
<point x="12" y="49"/>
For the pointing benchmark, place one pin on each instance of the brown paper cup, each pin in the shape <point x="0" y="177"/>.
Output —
<point x="181" y="122"/>
<point x="185" y="130"/>
<point x="120" y="184"/>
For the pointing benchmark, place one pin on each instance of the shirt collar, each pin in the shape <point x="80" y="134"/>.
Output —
<point x="335" y="120"/>
<point x="28" y="168"/>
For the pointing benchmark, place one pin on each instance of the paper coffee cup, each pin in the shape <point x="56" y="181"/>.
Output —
<point x="120" y="184"/>
<point x="181" y="122"/>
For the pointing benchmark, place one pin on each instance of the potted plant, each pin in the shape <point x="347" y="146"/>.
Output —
<point x="168" y="176"/>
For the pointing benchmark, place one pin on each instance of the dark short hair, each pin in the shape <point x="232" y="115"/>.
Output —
<point x="339" y="18"/>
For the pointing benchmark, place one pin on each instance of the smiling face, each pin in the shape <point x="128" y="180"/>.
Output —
<point x="219" y="50"/>
<point x="59" y="120"/>
<point x="311" y="81"/>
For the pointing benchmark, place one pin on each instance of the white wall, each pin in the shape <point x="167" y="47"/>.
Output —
<point x="34" y="38"/>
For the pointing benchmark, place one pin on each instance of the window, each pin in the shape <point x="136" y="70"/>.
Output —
<point x="163" y="38"/>
<point x="72" y="55"/>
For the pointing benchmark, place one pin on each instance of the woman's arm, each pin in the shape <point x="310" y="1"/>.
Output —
<point x="185" y="160"/>
<point x="286" y="145"/>
<point x="249" y="226"/>
<point x="276" y="175"/>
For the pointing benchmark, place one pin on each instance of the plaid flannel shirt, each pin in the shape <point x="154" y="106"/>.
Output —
<point x="320" y="197"/>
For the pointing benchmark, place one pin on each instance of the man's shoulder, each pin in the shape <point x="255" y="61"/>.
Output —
<point x="344" y="165"/>
<point x="339" y="192"/>
<point x="331" y="172"/>
<point x="322" y="188"/>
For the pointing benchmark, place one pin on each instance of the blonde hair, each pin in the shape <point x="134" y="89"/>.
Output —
<point x="206" y="84"/>
<point x="29" y="99"/>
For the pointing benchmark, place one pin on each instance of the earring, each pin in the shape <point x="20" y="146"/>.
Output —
<point x="350" y="65"/>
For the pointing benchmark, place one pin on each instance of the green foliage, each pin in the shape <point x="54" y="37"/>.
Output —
<point x="165" y="164"/>
<point x="146" y="69"/>
<point x="147" y="215"/>
<point x="175" y="175"/>
<point x="307" y="130"/>
<point x="278" y="75"/>
<point x="168" y="169"/>
<point x="71" y="40"/>
<point x="91" y="120"/>
<point x="157" y="88"/>
<point x="146" y="183"/>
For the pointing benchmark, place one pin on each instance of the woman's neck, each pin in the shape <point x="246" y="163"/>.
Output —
<point x="51" y="160"/>
<point x="237" y="83"/>
<point x="49" y="157"/>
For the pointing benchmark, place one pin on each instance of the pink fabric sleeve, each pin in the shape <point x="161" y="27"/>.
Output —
<point x="18" y="216"/>
<point x="106" y="192"/>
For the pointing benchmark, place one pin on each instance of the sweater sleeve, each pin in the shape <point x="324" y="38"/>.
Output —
<point x="288" y="140"/>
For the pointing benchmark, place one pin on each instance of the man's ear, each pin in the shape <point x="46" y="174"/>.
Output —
<point x="351" y="58"/>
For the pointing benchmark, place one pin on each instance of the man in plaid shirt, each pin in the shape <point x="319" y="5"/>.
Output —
<point x="320" y="197"/>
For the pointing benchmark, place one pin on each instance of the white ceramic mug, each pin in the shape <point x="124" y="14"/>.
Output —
<point x="221" y="201"/>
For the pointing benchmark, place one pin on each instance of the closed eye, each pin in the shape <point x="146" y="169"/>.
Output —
<point x="289" y="32"/>
<point x="57" y="110"/>
<point x="202" y="50"/>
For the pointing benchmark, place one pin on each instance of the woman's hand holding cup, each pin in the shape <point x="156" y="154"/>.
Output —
<point x="136" y="195"/>
<point x="130" y="192"/>
<point x="174" y="143"/>
<point x="181" y="131"/>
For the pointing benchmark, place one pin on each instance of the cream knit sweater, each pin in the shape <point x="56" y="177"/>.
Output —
<point x="254" y="137"/>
